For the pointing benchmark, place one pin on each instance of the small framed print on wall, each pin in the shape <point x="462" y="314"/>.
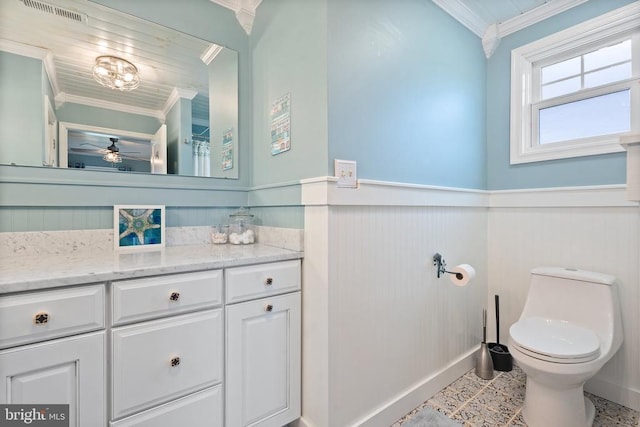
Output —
<point x="138" y="227"/>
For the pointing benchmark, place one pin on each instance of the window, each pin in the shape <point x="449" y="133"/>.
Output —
<point x="575" y="92"/>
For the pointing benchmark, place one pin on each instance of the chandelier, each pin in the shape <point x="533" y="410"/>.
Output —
<point x="116" y="73"/>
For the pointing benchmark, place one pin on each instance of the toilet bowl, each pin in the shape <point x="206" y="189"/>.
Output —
<point x="569" y="328"/>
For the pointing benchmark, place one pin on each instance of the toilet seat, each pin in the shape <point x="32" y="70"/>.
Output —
<point x="555" y="340"/>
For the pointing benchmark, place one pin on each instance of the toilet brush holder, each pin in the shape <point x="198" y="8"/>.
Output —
<point x="502" y="360"/>
<point x="484" y="363"/>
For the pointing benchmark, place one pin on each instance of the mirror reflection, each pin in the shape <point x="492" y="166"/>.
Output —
<point x="84" y="86"/>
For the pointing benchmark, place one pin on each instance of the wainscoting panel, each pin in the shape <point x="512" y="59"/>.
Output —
<point x="56" y="218"/>
<point x="392" y="322"/>
<point x="603" y="239"/>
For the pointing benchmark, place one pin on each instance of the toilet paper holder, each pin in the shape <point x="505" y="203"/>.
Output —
<point x="441" y="266"/>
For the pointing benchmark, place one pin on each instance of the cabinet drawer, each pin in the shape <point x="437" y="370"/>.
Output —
<point x="256" y="281"/>
<point x="152" y="297"/>
<point x="160" y="360"/>
<point x="201" y="409"/>
<point x="38" y="316"/>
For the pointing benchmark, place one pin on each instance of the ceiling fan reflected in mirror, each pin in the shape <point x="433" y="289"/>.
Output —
<point x="114" y="151"/>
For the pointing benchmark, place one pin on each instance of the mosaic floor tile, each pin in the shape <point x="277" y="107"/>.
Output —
<point x="475" y="402"/>
<point x="517" y="421"/>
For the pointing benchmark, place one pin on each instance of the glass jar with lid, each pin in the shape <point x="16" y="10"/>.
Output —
<point x="241" y="230"/>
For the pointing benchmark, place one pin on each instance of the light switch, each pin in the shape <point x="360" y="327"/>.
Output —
<point x="345" y="171"/>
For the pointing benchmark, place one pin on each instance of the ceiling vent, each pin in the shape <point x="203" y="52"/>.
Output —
<point x="55" y="10"/>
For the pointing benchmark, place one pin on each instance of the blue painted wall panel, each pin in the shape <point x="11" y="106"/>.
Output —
<point x="289" y="43"/>
<point x="21" y="123"/>
<point x="406" y="85"/>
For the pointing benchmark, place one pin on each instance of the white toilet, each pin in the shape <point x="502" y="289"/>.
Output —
<point x="569" y="328"/>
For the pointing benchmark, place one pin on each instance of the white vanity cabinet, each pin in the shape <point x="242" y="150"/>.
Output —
<point x="167" y="366"/>
<point x="263" y="339"/>
<point x="155" y="347"/>
<point x="51" y="355"/>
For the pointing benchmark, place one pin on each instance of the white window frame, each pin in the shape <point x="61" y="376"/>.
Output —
<point x="574" y="41"/>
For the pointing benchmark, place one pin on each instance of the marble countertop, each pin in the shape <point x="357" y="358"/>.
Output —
<point x="22" y="273"/>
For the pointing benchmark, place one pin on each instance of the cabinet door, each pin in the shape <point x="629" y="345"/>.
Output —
<point x="262" y="383"/>
<point x="68" y="370"/>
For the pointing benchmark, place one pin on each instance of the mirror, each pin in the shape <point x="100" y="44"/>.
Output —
<point x="181" y="119"/>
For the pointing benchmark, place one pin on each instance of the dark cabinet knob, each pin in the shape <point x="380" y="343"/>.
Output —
<point x="41" y="318"/>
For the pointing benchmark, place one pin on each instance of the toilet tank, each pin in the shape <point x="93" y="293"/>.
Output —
<point x="581" y="297"/>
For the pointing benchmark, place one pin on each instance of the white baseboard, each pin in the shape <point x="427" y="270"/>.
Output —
<point x="624" y="396"/>
<point x="411" y="398"/>
<point x="300" y="422"/>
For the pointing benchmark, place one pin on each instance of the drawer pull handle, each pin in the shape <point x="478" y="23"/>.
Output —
<point x="269" y="281"/>
<point x="175" y="361"/>
<point x="175" y="296"/>
<point x="268" y="308"/>
<point x="41" y="318"/>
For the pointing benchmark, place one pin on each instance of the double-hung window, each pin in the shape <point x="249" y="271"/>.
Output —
<point x="576" y="92"/>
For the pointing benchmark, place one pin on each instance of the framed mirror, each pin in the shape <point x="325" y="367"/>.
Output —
<point x="85" y="86"/>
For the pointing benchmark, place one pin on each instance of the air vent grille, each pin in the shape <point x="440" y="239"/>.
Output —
<point x="55" y="10"/>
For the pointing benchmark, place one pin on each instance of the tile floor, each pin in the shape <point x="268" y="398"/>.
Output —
<point x="474" y="402"/>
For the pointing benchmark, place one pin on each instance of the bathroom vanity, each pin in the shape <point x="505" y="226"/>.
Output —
<point x="190" y="335"/>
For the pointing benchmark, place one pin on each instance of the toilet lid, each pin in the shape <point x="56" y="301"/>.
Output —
<point x="555" y="340"/>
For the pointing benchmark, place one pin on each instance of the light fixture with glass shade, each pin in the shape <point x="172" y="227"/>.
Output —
<point x="113" y="153"/>
<point x="116" y="73"/>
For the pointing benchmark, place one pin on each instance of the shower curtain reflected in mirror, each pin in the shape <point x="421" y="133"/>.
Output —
<point x="201" y="157"/>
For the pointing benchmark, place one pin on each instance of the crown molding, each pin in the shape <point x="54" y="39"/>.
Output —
<point x="540" y="13"/>
<point x="491" y="40"/>
<point x="50" y="69"/>
<point x="23" y="49"/>
<point x="492" y="32"/>
<point x="210" y="54"/>
<point x="245" y="11"/>
<point x="464" y="15"/>
<point x="176" y="94"/>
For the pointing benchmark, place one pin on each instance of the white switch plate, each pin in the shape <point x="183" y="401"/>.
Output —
<point x="345" y="171"/>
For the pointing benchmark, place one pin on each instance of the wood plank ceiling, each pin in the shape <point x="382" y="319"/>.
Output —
<point x="166" y="59"/>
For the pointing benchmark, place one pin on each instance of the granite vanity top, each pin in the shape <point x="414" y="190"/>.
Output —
<point x="22" y="273"/>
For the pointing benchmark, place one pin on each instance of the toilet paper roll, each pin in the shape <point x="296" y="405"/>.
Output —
<point x="467" y="272"/>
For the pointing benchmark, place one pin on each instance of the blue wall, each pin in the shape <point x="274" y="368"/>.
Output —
<point x="21" y="110"/>
<point x="289" y="48"/>
<point x="400" y="88"/>
<point x="406" y="93"/>
<point x="591" y="170"/>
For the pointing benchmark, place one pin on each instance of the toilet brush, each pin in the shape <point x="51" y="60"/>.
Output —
<point x="484" y="363"/>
